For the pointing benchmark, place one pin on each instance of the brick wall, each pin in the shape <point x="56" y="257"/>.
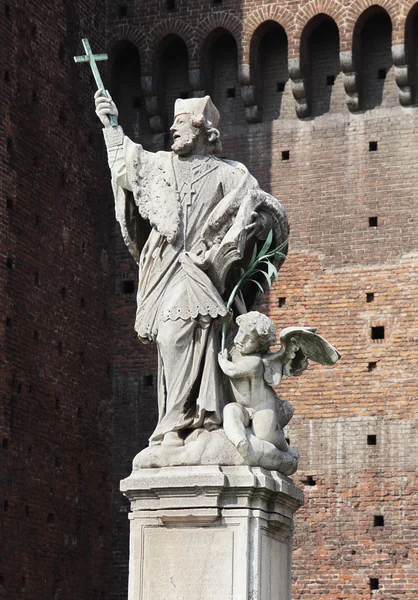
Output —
<point x="348" y="181"/>
<point x="222" y="80"/>
<point x="54" y="274"/>
<point x="127" y="76"/>
<point x="375" y="47"/>
<point x="272" y="72"/>
<point x="173" y="77"/>
<point x="323" y="66"/>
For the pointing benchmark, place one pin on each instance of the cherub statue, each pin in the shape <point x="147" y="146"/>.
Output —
<point x="254" y="370"/>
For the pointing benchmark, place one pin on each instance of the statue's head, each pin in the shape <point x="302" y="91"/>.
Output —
<point x="256" y="333"/>
<point x="194" y="128"/>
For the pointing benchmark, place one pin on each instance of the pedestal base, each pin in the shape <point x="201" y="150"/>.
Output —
<point x="210" y="533"/>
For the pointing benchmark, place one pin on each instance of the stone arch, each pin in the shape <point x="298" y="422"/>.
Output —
<point x="220" y="72"/>
<point x="269" y="67"/>
<point x="314" y="9"/>
<point x="215" y="22"/>
<point x="131" y="34"/>
<point x="171" y="27"/>
<point x="171" y="75"/>
<point x="127" y="89"/>
<point x="271" y="12"/>
<point x="320" y="64"/>
<point x="359" y="8"/>
<point x="372" y="54"/>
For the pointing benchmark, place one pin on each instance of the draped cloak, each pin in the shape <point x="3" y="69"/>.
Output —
<point x="191" y="203"/>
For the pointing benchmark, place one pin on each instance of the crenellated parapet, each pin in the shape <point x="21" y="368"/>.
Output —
<point x="231" y="56"/>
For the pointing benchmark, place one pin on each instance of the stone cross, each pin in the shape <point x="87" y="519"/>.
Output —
<point x="92" y="58"/>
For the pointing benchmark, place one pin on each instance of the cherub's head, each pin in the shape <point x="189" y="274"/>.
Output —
<point x="256" y="333"/>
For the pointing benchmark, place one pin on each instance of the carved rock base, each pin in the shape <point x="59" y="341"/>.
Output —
<point x="213" y="448"/>
<point x="210" y="532"/>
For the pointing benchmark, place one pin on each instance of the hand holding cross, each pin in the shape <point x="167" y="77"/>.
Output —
<point x="92" y="58"/>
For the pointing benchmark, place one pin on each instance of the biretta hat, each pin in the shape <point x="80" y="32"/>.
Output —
<point x="197" y="106"/>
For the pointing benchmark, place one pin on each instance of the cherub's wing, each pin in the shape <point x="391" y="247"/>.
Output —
<point x="300" y="344"/>
<point x="289" y="360"/>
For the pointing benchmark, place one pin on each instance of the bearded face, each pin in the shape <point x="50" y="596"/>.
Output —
<point x="185" y="135"/>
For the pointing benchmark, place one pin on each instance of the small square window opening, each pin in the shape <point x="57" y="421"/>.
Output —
<point x="148" y="380"/>
<point x="378" y="521"/>
<point x="310" y="480"/>
<point x="378" y="332"/>
<point x="374" y="583"/>
<point x="128" y="287"/>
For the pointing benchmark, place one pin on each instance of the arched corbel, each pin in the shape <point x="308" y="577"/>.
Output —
<point x="402" y="74"/>
<point x="351" y="80"/>
<point x="151" y="105"/>
<point x="299" y="88"/>
<point x="248" y="94"/>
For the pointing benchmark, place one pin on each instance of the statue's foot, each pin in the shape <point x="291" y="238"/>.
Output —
<point x="172" y="438"/>
<point x="242" y="447"/>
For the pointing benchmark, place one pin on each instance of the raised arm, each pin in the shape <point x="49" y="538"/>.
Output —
<point x="115" y="139"/>
<point x="104" y="108"/>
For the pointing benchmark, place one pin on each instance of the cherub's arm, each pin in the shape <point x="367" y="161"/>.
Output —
<point x="273" y="367"/>
<point x="276" y="363"/>
<point x="248" y="365"/>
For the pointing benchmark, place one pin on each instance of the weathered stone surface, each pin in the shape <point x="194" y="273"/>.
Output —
<point x="253" y="371"/>
<point x="214" y="448"/>
<point x="206" y="216"/>
<point x="233" y="526"/>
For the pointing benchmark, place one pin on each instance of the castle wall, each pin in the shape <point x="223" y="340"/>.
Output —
<point x="55" y="410"/>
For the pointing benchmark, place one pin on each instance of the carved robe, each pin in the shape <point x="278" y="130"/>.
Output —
<point x="191" y="203"/>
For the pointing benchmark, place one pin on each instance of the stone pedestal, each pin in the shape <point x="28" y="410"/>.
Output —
<point x="210" y="533"/>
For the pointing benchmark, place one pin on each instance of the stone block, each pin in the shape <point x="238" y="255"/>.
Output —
<point x="210" y="532"/>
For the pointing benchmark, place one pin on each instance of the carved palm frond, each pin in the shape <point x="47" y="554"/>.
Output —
<point x="260" y="263"/>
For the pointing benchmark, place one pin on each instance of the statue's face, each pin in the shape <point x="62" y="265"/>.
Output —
<point x="247" y="341"/>
<point x="185" y="135"/>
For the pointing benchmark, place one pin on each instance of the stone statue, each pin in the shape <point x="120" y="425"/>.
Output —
<point x="206" y="215"/>
<point x="200" y="269"/>
<point x="208" y="242"/>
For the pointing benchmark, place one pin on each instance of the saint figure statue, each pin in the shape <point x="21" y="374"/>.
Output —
<point x="206" y="215"/>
